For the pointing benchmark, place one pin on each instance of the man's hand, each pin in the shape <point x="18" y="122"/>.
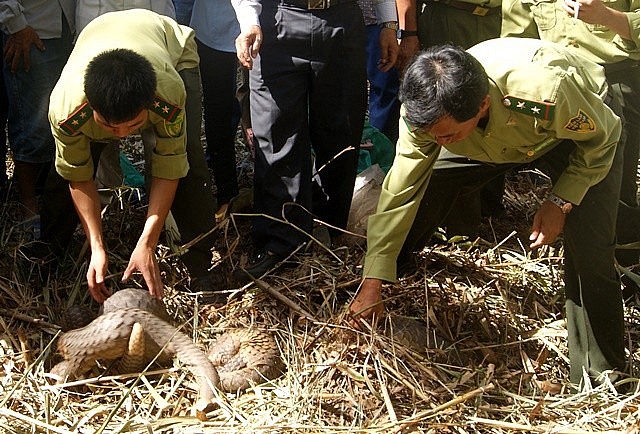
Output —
<point x="367" y="304"/>
<point x="18" y="47"/>
<point x="143" y="259"/>
<point x="547" y="225"/>
<point x="597" y="12"/>
<point x="409" y="46"/>
<point x="95" y="275"/>
<point x="248" y="45"/>
<point x="388" y="49"/>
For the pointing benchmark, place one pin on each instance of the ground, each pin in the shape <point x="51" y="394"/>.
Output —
<point x="494" y="360"/>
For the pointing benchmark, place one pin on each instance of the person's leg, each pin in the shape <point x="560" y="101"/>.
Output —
<point x="279" y="84"/>
<point x="384" y="106"/>
<point x="337" y="105"/>
<point x="4" y="110"/>
<point x="242" y="95"/>
<point x="595" y="318"/>
<point x="218" y="72"/>
<point x="30" y="135"/>
<point x="627" y="82"/>
<point x="193" y="206"/>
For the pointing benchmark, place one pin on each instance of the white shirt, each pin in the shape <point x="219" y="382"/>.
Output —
<point x="248" y="12"/>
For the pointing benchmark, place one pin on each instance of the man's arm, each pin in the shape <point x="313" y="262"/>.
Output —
<point x="596" y="12"/>
<point x="583" y="117"/>
<point x="250" y="39"/>
<point x="402" y="191"/>
<point x="85" y="198"/>
<point x="386" y="12"/>
<point x="143" y="257"/>
<point x="407" y="20"/>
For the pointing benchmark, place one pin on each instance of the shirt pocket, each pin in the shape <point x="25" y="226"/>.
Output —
<point x="544" y="13"/>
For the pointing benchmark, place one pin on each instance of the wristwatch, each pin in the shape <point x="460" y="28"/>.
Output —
<point x="393" y="25"/>
<point x="564" y="205"/>
<point x="406" y="33"/>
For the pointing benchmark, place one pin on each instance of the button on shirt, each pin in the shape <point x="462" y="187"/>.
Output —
<point x="525" y="70"/>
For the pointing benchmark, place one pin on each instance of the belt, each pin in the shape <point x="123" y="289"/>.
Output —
<point x="612" y="68"/>
<point x="314" y="4"/>
<point x="478" y="10"/>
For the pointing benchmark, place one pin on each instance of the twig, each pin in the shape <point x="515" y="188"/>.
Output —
<point x="31" y="421"/>
<point x="281" y="297"/>
<point x="433" y="411"/>
<point x="37" y="321"/>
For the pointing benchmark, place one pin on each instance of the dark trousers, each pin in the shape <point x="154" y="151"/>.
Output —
<point x="4" y="112"/>
<point x="593" y="298"/>
<point x="192" y="209"/>
<point x="218" y="72"/>
<point x="626" y="79"/>
<point x="308" y="95"/>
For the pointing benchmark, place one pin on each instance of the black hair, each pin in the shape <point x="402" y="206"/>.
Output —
<point x="119" y="84"/>
<point x="443" y="81"/>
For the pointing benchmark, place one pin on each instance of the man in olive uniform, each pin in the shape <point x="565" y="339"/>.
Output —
<point x="536" y="103"/>
<point x="608" y="34"/>
<point x="463" y="23"/>
<point x="130" y="70"/>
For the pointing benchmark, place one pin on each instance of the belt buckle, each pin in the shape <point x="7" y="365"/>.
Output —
<point x="318" y="4"/>
<point x="480" y="11"/>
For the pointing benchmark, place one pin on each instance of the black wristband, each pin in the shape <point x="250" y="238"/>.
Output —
<point x="406" y="33"/>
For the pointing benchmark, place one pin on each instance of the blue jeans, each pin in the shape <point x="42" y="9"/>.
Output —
<point x="384" y="106"/>
<point x="30" y="136"/>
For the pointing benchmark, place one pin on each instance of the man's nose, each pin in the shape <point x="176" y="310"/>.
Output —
<point x="121" y="131"/>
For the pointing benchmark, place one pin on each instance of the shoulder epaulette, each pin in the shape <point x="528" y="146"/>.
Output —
<point x="72" y="124"/>
<point x="165" y="110"/>
<point x="539" y="109"/>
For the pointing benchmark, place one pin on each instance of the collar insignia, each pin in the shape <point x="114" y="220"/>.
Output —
<point x="72" y="124"/>
<point x="165" y="110"/>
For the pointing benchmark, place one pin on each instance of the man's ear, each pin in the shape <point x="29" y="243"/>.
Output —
<point x="485" y="104"/>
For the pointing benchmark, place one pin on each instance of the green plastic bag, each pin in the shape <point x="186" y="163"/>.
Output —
<point x="381" y="150"/>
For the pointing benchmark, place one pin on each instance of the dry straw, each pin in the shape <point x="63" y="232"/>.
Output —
<point x="493" y="358"/>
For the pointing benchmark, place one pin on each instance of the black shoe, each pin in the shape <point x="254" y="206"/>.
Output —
<point x="264" y="263"/>
<point x="212" y="287"/>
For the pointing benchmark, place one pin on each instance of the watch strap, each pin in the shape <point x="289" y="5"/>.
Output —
<point x="406" y="33"/>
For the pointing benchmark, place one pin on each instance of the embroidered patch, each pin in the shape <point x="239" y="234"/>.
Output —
<point x="581" y="123"/>
<point x="72" y="124"/>
<point x="165" y="110"/>
<point x="540" y="109"/>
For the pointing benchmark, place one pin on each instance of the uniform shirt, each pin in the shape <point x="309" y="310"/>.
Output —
<point x="169" y="47"/>
<point x="540" y="95"/>
<point x="87" y="10"/>
<point x="248" y="11"/>
<point x="43" y="16"/>
<point x="483" y="3"/>
<point x="548" y="21"/>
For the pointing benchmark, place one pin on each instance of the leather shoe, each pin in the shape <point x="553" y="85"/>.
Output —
<point x="264" y="263"/>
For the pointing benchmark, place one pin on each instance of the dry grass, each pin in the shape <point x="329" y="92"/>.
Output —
<point x="496" y="361"/>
